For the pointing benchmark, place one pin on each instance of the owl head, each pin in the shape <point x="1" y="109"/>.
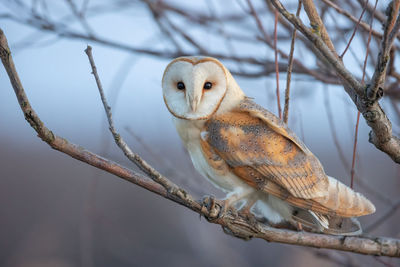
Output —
<point x="194" y="88"/>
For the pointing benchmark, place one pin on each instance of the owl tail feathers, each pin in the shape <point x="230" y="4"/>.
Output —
<point x="344" y="201"/>
<point x="334" y="225"/>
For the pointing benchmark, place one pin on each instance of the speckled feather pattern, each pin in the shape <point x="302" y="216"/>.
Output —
<point x="247" y="152"/>
<point x="277" y="162"/>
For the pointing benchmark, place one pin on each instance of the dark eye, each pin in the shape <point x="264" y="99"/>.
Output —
<point x="180" y="86"/>
<point x="207" y="85"/>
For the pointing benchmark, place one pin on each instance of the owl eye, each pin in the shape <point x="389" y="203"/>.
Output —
<point x="180" y="86"/>
<point x="207" y="85"/>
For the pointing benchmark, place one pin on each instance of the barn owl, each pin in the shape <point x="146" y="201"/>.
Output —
<point x="247" y="152"/>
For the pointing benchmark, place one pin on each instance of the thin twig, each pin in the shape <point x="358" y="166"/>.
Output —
<point x="161" y="26"/>
<point x="297" y="64"/>
<point x="391" y="28"/>
<point x="289" y="70"/>
<point x="258" y="22"/>
<point x="322" y="47"/>
<point x="354" y="31"/>
<point x="61" y="31"/>
<point x="364" y="185"/>
<point x="135" y="158"/>
<point x="278" y="98"/>
<point x="364" y="25"/>
<point x="80" y="16"/>
<point x="165" y="164"/>
<point x="353" y="161"/>
<point x="352" y="172"/>
<point x="267" y="39"/>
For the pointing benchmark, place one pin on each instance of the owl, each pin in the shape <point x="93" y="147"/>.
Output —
<point x="253" y="156"/>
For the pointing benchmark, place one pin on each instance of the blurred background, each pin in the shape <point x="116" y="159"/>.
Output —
<point x="56" y="211"/>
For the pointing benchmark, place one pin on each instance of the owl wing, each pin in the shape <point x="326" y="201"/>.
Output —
<point x="263" y="152"/>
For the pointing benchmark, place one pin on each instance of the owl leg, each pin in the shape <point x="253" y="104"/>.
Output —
<point x="216" y="208"/>
<point x="245" y="211"/>
<point x="238" y="200"/>
<point x="247" y="207"/>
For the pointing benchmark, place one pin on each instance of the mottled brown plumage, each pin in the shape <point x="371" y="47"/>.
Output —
<point x="262" y="151"/>
<point x="250" y="154"/>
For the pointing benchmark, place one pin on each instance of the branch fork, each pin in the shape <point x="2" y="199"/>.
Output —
<point x="381" y="127"/>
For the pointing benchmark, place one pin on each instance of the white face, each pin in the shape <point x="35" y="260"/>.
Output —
<point x="193" y="89"/>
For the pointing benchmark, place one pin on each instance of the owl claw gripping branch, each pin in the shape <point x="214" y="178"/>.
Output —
<point x="211" y="208"/>
<point x="251" y="155"/>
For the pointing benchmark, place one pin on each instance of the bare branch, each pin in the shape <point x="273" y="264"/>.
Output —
<point x="379" y="15"/>
<point x="232" y="223"/>
<point x="274" y="45"/>
<point x="354" y="32"/>
<point x="363" y="24"/>
<point x="353" y="161"/>
<point x="381" y="135"/>
<point x="372" y="191"/>
<point x="289" y="69"/>
<point x="317" y="24"/>
<point x="352" y="172"/>
<point x="164" y="30"/>
<point x="391" y="28"/>
<point x="82" y="154"/>
<point x="135" y="158"/>
<point x="278" y="98"/>
<point x="80" y="16"/>
<point x="320" y="44"/>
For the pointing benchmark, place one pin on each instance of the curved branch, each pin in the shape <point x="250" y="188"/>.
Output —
<point x="135" y="158"/>
<point x="391" y="28"/>
<point x="232" y="223"/>
<point x="381" y="128"/>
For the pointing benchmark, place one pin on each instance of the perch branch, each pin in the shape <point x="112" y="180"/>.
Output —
<point x="232" y="223"/>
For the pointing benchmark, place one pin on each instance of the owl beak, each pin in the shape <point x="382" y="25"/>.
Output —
<point x="194" y="102"/>
<point x="193" y="105"/>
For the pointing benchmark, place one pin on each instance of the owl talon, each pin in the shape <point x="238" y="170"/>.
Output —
<point x="227" y="207"/>
<point x="210" y="208"/>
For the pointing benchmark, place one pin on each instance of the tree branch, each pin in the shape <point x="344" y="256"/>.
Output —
<point x="381" y="135"/>
<point x="317" y="24"/>
<point x="135" y="158"/>
<point x="289" y="70"/>
<point x="391" y="28"/>
<point x="363" y="24"/>
<point x="233" y="223"/>
<point x="61" y="144"/>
